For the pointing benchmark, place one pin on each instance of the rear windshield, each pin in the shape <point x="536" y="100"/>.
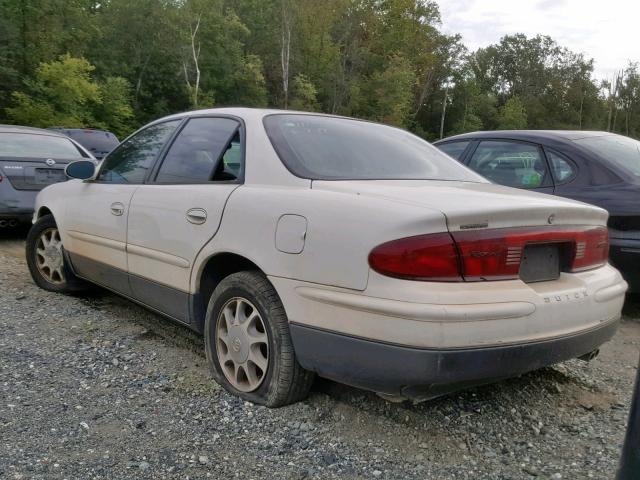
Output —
<point x="94" y="141"/>
<point x="329" y="148"/>
<point x="620" y="150"/>
<point x="29" y="145"/>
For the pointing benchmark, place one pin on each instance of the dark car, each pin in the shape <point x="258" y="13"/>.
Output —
<point x="600" y="168"/>
<point x="98" y="142"/>
<point x="31" y="159"/>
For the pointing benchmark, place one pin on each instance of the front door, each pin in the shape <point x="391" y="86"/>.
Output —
<point x="179" y="210"/>
<point x="97" y="212"/>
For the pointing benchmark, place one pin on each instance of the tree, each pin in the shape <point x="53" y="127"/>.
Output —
<point x="513" y="115"/>
<point x="388" y="94"/>
<point x="194" y="59"/>
<point x="285" y="49"/>
<point x="385" y="60"/>
<point x="64" y="93"/>
<point x="114" y="112"/>
<point x="304" y="94"/>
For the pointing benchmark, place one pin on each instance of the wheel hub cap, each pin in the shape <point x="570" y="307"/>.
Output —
<point x="49" y="258"/>
<point x="242" y="344"/>
<point x="239" y="345"/>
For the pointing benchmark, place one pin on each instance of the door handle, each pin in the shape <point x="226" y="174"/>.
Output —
<point x="197" y="216"/>
<point x="117" y="209"/>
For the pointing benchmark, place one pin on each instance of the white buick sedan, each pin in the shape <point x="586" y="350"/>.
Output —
<point x="304" y="244"/>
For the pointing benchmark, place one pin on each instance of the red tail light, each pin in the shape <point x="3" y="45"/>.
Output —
<point x="425" y="257"/>
<point x="492" y="254"/>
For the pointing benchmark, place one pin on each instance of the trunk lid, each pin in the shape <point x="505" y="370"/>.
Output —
<point x="33" y="173"/>
<point x="468" y="205"/>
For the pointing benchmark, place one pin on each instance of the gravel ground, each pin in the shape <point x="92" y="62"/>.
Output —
<point x="96" y="387"/>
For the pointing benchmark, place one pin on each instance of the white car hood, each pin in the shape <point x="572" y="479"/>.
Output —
<point x="466" y="204"/>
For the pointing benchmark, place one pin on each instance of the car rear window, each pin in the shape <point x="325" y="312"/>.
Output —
<point x="332" y="148"/>
<point x="95" y="141"/>
<point x="28" y="145"/>
<point x="454" y="149"/>
<point x="620" y="150"/>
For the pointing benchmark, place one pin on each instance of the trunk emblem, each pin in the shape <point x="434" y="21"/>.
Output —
<point x="50" y="162"/>
<point x="551" y="218"/>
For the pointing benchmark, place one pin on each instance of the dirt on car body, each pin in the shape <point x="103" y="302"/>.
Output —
<point x="96" y="387"/>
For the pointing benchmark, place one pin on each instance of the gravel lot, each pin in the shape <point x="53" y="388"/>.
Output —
<point x="96" y="387"/>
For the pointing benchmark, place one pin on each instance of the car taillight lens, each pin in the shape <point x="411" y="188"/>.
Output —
<point x="424" y="257"/>
<point x="591" y="249"/>
<point x="492" y="254"/>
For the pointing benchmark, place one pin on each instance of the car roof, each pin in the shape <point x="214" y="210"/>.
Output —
<point x="83" y="130"/>
<point x="245" y="112"/>
<point x="32" y="130"/>
<point x="531" y="135"/>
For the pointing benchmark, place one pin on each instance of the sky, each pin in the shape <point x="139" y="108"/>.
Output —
<point x="606" y="30"/>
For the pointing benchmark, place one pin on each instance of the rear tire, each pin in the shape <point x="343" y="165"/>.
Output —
<point x="46" y="260"/>
<point x="248" y="344"/>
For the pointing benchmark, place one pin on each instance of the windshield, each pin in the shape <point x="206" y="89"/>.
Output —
<point x="29" y="145"/>
<point x="329" y="148"/>
<point x="622" y="151"/>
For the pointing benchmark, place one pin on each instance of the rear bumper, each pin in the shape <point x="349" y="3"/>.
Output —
<point x="16" y="204"/>
<point x="420" y="373"/>
<point x="21" y="215"/>
<point x="624" y="254"/>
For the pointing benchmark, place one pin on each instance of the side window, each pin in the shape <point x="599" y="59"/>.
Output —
<point x="202" y="152"/>
<point x="129" y="162"/>
<point x="563" y="170"/>
<point x="232" y="158"/>
<point x="454" y="149"/>
<point x="513" y="164"/>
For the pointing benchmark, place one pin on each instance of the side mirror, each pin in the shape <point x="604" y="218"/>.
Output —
<point x="82" y="169"/>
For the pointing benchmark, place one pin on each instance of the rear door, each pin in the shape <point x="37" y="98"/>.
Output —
<point x="97" y="211"/>
<point x="179" y="210"/>
<point x="513" y="164"/>
<point x="563" y="169"/>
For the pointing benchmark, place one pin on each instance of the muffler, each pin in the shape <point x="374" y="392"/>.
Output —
<point x="587" y="357"/>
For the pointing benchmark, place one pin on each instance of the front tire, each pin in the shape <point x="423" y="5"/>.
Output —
<point x="46" y="259"/>
<point x="248" y="344"/>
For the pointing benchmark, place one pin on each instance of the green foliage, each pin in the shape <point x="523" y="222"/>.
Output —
<point x="63" y="93"/>
<point x="304" y="94"/>
<point x="391" y="92"/>
<point x="468" y="123"/>
<point x="114" y="111"/>
<point x="385" y="60"/>
<point x="513" y="115"/>
<point x="250" y="84"/>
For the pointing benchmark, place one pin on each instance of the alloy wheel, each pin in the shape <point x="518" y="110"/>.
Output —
<point x="242" y="344"/>
<point x="49" y="257"/>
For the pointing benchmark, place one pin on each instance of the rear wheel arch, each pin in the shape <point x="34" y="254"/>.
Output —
<point x="215" y="269"/>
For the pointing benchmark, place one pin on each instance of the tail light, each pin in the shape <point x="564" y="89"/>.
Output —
<point x="492" y="254"/>
<point x="425" y="257"/>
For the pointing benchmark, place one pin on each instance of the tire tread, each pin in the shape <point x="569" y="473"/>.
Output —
<point x="293" y="382"/>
